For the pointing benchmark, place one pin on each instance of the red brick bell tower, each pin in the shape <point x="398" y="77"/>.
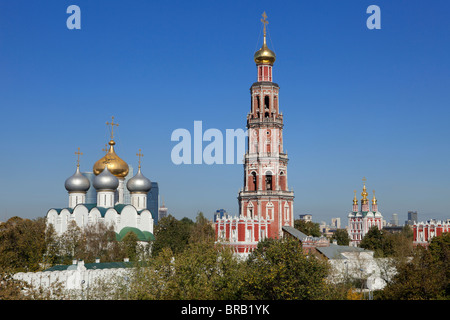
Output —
<point x="265" y="203"/>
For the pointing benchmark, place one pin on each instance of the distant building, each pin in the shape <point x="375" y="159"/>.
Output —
<point x="425" y="231"/>
<point x="360" y="220"/>
<point x="345" y="261"/>
<point x="306" y="217"/>
<point x="336" y="223"/>
<point x="162" y="212"/>
<point x="394" y="220"/>
<point x="412" y="218"/>
<point x="219" y="214"/>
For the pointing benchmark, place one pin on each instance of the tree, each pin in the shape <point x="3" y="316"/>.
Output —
<point x="171" y="233"/>
<point x="279" y="270"/>
<point x="22" y="244"/>
<point x="421" y="278"/>
<point x="202" y="230"/>
<point x="307" y="227"/>
<point x="341" y="237"/>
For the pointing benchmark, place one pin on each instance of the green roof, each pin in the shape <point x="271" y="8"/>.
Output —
<point x="141" y="235"/>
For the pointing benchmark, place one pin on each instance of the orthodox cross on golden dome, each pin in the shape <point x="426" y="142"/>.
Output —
<point x="78" y="153"/>
<point x="264" y="21"/>
<point x="139" y="154"/>
<point x="112" y="124"/>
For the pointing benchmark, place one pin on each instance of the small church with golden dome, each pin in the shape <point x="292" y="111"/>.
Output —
<point x="110" y="207"/>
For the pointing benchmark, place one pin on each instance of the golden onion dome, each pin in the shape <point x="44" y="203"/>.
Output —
<point x="264" y="55"/>
<point x="115" y="164"/>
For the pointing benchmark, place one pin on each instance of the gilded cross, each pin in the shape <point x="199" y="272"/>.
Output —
<point x="139" y="154"/>
<point x="364" y="180"/>
<point x="78" y="153"/>
<point x="264" y="15"/>
<point x="112" y="124"/>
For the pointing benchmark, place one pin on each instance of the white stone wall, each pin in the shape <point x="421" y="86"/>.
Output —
<point x="76" y="280"/>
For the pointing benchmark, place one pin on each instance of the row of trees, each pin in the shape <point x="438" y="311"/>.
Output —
<point x="185" y="263"/>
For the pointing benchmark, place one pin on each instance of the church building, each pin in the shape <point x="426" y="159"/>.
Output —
<point x="361" y="220"/>
<point x="265" y="202"/>
<point x="110" y="208"/>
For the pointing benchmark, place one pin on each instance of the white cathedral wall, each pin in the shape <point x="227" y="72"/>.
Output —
<point x="80" y="215"/>
<point x="146" y="221"/>
<point x="129" y="217"/>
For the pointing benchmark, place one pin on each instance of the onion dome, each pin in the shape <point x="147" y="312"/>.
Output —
<point x="105" y="180"/>
<point x="264" y="55"/>
<point x="115" y="164"/>
<point x="374" y="200"/>
<point x="77" y="182"/>
<point x="355" y="201"/>
<point x="139" y="183"/>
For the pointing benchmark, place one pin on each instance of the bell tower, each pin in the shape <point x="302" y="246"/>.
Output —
<point x="265" y="195"/>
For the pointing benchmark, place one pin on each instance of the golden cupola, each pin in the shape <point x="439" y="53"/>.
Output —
<point x="116" y="165"/>
<point x="264" y="55"/>
<point x="364" y="193"/>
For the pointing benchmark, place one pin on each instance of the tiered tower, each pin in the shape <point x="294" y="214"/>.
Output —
<point x="265" y="194"/>
<point x="265" y="203"/>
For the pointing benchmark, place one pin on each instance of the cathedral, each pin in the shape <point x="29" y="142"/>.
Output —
<point x="361" y="220"/>
<point x="110" y="206"/>
<point x="265" y="202"/>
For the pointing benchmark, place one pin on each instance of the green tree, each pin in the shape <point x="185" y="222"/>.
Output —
<point x="279" y="270"/>
<point x="308" y="227"/>
<point x="439" y="248"/>
<point x="417" y="279"/>
<point x="341" y="237"/>
<point x="171" y="233"/>
<point x="22" y="244"/>
<point x="202" y="230"/>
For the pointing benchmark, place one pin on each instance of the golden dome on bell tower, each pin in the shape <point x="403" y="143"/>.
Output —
<point x="116" y="165"/>
<point x="264" y="55"/>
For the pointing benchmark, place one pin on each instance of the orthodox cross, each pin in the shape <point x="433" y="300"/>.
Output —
<point x="78" y="153"/>
<point x="139" y="154"/>
<point x="264" y="21"/>
<point x="112" y="124"/>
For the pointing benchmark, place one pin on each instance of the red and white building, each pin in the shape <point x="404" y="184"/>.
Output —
<point x="360" y="220"/>
<point x="265" y="202"/>
<point x="425" y="231"/>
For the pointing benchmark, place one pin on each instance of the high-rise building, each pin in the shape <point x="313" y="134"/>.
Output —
<point x="412" y="218"/>
<point x="394" y="220"/>
<point x="265" y="202"/>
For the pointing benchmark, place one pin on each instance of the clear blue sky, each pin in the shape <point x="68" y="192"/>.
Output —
<point x="356" y="102"/>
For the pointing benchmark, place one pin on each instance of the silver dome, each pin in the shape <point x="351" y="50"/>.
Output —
<point x="139" y="183"/>
<point x="105" y="180"/>
<point x="77" y="182"/>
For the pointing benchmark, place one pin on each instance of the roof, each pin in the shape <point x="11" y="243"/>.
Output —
<point x="334" y="251"/>
<point x="141" y="235"/>
<point x="295" y="233"/>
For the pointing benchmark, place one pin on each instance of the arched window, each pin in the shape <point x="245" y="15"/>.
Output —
<point x="266" y="103"/>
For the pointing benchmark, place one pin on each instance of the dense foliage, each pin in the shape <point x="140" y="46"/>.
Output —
<point x="186" y="263"/>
